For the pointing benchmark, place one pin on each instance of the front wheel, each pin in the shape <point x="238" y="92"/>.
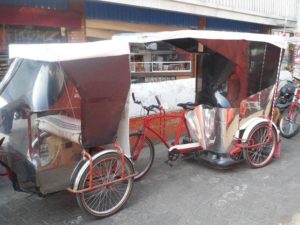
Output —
<point x="111" y="198"/>
<point x="261" y="154"/>
<point x="142" y="153"/>
<point x="290" y="122"/>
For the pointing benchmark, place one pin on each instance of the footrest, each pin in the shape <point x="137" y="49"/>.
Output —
<point x="185" y="146"/>
<point x="61" y="126"/>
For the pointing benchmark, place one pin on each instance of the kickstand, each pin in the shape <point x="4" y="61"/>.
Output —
<point x="168" y="162"/>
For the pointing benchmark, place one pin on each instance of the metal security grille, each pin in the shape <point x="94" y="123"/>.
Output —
<point x="3" y="64"/>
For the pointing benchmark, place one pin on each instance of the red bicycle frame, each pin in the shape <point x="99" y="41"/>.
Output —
<point x="294" y="103"/>
<point x="162" y="117"/>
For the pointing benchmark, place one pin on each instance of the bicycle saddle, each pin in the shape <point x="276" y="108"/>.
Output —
<point x="187" y="105"/>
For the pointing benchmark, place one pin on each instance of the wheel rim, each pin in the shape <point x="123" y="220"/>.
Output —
<point x="108" y="199"/>
<point x="145" y="158"/>
<point x="290" y="123"/>
<point x="261" y="155"/>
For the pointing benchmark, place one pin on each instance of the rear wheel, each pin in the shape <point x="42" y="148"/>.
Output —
<point x="290" y="122"/>
<point x="143" y="159"/>
<point x="262" y="154"/>
<point x="109" y="199"/>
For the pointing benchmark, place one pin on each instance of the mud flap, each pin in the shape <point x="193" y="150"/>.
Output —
<point x="277" y="151"/>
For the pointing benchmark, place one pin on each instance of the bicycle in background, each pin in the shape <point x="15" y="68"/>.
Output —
<point x="289" y="124"/>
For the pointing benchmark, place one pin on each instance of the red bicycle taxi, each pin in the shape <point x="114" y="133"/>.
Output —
<point x="230" y="120"/>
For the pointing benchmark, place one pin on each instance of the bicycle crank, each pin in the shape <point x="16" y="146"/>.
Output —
<point x="172" y="156"/>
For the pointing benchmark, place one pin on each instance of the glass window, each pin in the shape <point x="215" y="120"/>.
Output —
<point x="263" y="65"/>
<point x="160" y="58"/>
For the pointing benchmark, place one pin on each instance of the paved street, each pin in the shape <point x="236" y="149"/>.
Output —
<point x="188" y="193"/>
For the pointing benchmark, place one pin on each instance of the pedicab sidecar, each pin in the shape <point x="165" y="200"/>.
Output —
<point x="236" y="80"/>
<point x="64" y="122"/>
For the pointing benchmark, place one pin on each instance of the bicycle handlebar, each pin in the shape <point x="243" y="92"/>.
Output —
<point x="134" y="100"/>
<point x="133" y="97"/>
<point x="150" y="107"/>
<point x="157" y="100"/>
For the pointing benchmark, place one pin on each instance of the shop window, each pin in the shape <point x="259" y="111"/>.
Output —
<point x="33" y="34"/>
<point x="158" y="60"/>
<point x="13" y="34"/>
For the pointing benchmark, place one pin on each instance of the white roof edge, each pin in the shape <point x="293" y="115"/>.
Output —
<point x="69" y="51"/>
<point x="278" y="41"/>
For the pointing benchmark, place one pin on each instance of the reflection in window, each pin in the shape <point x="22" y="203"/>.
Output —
<point x="263" y="64"/>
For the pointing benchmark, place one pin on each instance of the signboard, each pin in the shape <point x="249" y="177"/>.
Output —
<point x="296" y="61"/>
<point x="297" y="55"/>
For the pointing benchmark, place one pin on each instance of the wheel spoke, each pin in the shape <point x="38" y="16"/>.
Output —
<point x="261" y="154"/>
<point x="290" y="123"/>
<point x="108" y="199"/>
<point x="142" y="153"/>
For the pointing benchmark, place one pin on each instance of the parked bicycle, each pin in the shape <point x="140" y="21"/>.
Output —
<point x="142" y="147"/>
<point x="289" y="124"/>
<point x="231" y="118"/>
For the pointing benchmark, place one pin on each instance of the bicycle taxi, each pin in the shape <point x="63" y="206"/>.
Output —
<point x="64" y="122"/>
<point x="230" y="117"/>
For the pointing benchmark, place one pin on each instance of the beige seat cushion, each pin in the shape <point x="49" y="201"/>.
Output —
<point x="61" y="126"/>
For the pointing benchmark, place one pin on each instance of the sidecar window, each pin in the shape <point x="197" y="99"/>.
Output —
<point x="20" y="85"/>
<point x="34" y="83"/>
<point x="47" y="86"/>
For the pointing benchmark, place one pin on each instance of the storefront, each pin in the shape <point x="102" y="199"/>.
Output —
<point x="39" y="22"/>
<point x="159" y="62"/>
<point x="148" y="62"/>
<point x="155" y="61"/>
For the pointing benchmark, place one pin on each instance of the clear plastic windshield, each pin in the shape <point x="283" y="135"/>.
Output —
<point x="30" y="90"/>
<point x="32" y="84"/>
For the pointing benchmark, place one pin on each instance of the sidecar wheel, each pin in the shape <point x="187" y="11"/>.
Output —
<point x="109" y="199"/>
<point x="260" y="156"/>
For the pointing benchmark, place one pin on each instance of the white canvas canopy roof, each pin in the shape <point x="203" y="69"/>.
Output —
<point x="278" y="41"/>
<point x="68" y="51"/>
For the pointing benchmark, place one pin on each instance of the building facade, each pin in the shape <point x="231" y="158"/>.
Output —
<point x="43" y="21"/>
<point x="105" y="18"/>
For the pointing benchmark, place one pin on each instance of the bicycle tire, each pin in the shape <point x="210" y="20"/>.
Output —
<point x="260" y="156"/>
<point x="290" y="127"/>
<point x="145" y="159"/>
<point x="110" y="199"/>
